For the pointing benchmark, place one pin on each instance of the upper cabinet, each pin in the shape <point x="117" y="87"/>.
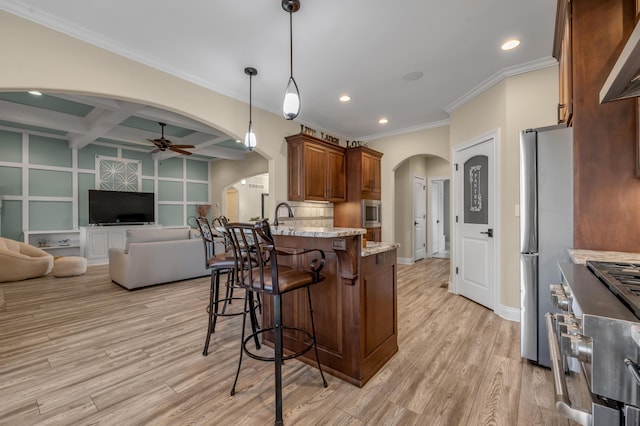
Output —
<point x="316" y="169"/>
<point x="364" y="162"/>
<point x="562" y="51"/>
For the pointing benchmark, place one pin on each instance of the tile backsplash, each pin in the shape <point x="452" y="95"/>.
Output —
<point x="307" y="214"/>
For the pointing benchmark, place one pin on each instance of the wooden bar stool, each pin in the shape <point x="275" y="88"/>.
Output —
<point x="267" y="277"/>
<point x="221" y="263"/>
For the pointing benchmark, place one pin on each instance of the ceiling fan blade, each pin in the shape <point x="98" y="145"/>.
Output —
<point x="155" y="150"/>
<point x="180" y="151"/>
<point x="183" y="146"/>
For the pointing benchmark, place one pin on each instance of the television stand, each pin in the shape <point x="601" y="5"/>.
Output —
<point x="95" y="241"/>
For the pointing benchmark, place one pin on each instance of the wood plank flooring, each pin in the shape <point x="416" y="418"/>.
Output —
<point x="82" y="350"/>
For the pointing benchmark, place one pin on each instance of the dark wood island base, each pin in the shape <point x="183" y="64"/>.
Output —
<point x="354" y="308"/>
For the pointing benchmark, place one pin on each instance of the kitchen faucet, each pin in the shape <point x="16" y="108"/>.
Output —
<point x="275" y="219"/>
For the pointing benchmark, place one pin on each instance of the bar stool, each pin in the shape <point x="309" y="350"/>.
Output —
<point x="267" y="277"/>
<point x="221" y="263"/>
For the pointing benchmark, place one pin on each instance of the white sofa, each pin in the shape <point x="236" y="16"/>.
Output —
<point x="156" y="256"/>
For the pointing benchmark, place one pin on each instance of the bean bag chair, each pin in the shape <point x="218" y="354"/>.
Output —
<point x="19" y="261"/>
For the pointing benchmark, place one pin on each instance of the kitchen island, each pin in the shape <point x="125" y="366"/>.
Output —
<point x="355" y="309"/>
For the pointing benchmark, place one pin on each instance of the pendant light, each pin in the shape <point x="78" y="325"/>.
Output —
<point x="250" y="137"/>
<point x="291" y="103"/>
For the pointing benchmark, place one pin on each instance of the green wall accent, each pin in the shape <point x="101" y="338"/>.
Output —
<point x="170" y="191"/>
<point x="197" y="170"/>
<point x="197" y="192"/>
<point x="148" y="185"/>
<point x="10" y="146"/>
<point x="170" y="168"/>
<point x="49" y="151"/>
<point x="57" y="215"/>
<point x="12" y="177"/>
<point x="50" y="215"/>
<point x="12" y="220"/>
<point x="86" y="181"/>
<point x="170" y="215"/>
<point x="50" y="183"/>
<point x="87" y="155"/>
<point x="147" y="161"/>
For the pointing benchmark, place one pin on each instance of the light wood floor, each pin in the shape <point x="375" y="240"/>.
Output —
<point x="82" y="350"/>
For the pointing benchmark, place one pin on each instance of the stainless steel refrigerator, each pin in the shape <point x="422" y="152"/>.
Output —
<point x="546" y="229"/>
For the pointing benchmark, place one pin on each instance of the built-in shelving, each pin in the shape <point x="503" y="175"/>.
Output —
<point x="56" y="242"/>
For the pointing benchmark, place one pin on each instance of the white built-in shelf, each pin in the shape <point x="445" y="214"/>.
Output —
<point x="64" y="242"/>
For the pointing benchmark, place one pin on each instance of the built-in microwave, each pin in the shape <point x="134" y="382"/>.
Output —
<point x="371" y="210"/>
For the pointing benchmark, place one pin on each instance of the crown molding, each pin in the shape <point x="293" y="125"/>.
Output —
<point x="406" y="130"/>
<point x="498" y="77"/>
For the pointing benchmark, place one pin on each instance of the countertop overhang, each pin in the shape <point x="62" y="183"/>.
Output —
<point x="326" y="232"/>
<point x="316" y="232"/>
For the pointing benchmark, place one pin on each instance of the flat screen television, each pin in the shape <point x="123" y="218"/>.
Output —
<point x="121" y="207"/>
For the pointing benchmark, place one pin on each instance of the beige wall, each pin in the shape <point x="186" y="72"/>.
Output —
<point x="226" y="172"/>
<point x="35" y="57"/>
<point x="519" y="102"/>
<point x="397" y="149"/>
<point x="419" y="165"/>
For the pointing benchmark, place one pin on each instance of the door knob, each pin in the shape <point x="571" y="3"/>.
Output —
<point x="489" y="232"/>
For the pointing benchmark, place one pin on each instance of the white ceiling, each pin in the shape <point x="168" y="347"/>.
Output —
<point x="359" y="47"/>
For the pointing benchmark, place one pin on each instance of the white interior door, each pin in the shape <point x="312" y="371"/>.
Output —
<point x="475" y="215"/>
<point x="419" y="217"/>
<point x="437" y="216"/>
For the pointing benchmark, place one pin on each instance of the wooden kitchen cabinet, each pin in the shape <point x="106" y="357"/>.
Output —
<point x="354" y="309"/>
<point x="363" y="183"/>
<point x="368" y="161"/>
<point x="563" y="52"/>
<point x="374" y="234"/>
<point x="316" y="169"/>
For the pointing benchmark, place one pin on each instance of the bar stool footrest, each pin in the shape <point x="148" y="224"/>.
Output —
<point x="228" y="300"/>
<point x="307" y="348"/>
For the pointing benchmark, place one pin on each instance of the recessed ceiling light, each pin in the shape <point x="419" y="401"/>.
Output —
<point x="510" y="44"/>
<point x="35" y="93"/>
<point x="383" y="121"/>
<point x="345" y="98"/>
<point x="413" y="76"/>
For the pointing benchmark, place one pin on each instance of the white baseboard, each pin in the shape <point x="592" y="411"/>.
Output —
<point x="405" y="261"/>
<point x="508" y="313"/>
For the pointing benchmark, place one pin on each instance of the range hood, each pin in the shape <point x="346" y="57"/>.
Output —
<point x="624" y="79"/>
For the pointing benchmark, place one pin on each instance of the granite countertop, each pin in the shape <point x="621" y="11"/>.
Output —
<point x="317" y="232"/>
<point x="580" y="256"/>
<point x="375" y="247"/>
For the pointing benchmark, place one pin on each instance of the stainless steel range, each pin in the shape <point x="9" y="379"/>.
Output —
<point x="598" y="336"/>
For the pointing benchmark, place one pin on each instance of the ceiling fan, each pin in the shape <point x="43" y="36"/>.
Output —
<point x="163" y="144"/>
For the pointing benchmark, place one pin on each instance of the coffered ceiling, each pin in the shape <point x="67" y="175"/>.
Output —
<point x="85" y="119"/>
<point x="411" y="61"/>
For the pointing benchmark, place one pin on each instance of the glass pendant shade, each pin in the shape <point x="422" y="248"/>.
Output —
<point x="291" y="104"/>
<point x="250" y="138"/>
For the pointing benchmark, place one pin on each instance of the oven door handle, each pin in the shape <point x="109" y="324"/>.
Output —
<point x="563" y="402"/>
